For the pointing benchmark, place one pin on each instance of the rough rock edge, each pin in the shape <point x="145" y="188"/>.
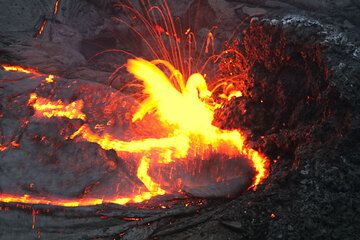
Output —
<point x="346" y="73"/>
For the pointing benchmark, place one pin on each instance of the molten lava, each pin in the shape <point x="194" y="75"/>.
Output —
<point x="186" y="114"/>
<point x="56" y="7"/>
<point x="42" y="28"/>
<point x="179" y="103"/>
<point x="51" y="109"/>
<point x="10" y="68"/>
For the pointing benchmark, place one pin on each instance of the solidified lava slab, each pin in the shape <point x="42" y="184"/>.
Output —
<point x="237" y="172"/>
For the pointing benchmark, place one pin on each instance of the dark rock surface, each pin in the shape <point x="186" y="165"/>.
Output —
<point x="305" y="68"/>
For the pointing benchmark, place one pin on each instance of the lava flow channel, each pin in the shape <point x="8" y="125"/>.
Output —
<point x="186" y="113"/>
<point x="14" y="68"/>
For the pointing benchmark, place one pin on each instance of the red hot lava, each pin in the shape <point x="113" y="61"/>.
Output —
<point x="182" y="106"/>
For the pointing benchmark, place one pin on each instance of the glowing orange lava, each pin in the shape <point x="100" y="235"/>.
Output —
<point x="15" y="68"/>
<point x="10" y="68"/>
<point x="50" y="79"/>
<point x="188" y="116"/>
<point x="44" y="23"/>
<point x="42" y="28"/>
<point x="189" y="113"/>
<point x="56" y="7"/>
<point x="142" y="174"/>
<point x="177" y="99"/>
<point x="2" y="148"/>
<point x="51" y="109"/>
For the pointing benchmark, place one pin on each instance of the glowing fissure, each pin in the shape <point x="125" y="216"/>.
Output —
<point x="13" y="68"/>
<point x="56" y="7"/>
<point x="51" y="109"/>
<point x="42" y="28"/>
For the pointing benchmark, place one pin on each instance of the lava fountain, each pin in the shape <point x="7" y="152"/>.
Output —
<point x="187" y="151"/>
<point x="186" y="117"/>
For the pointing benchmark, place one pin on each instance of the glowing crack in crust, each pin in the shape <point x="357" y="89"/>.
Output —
<point x="51" y="109"/>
